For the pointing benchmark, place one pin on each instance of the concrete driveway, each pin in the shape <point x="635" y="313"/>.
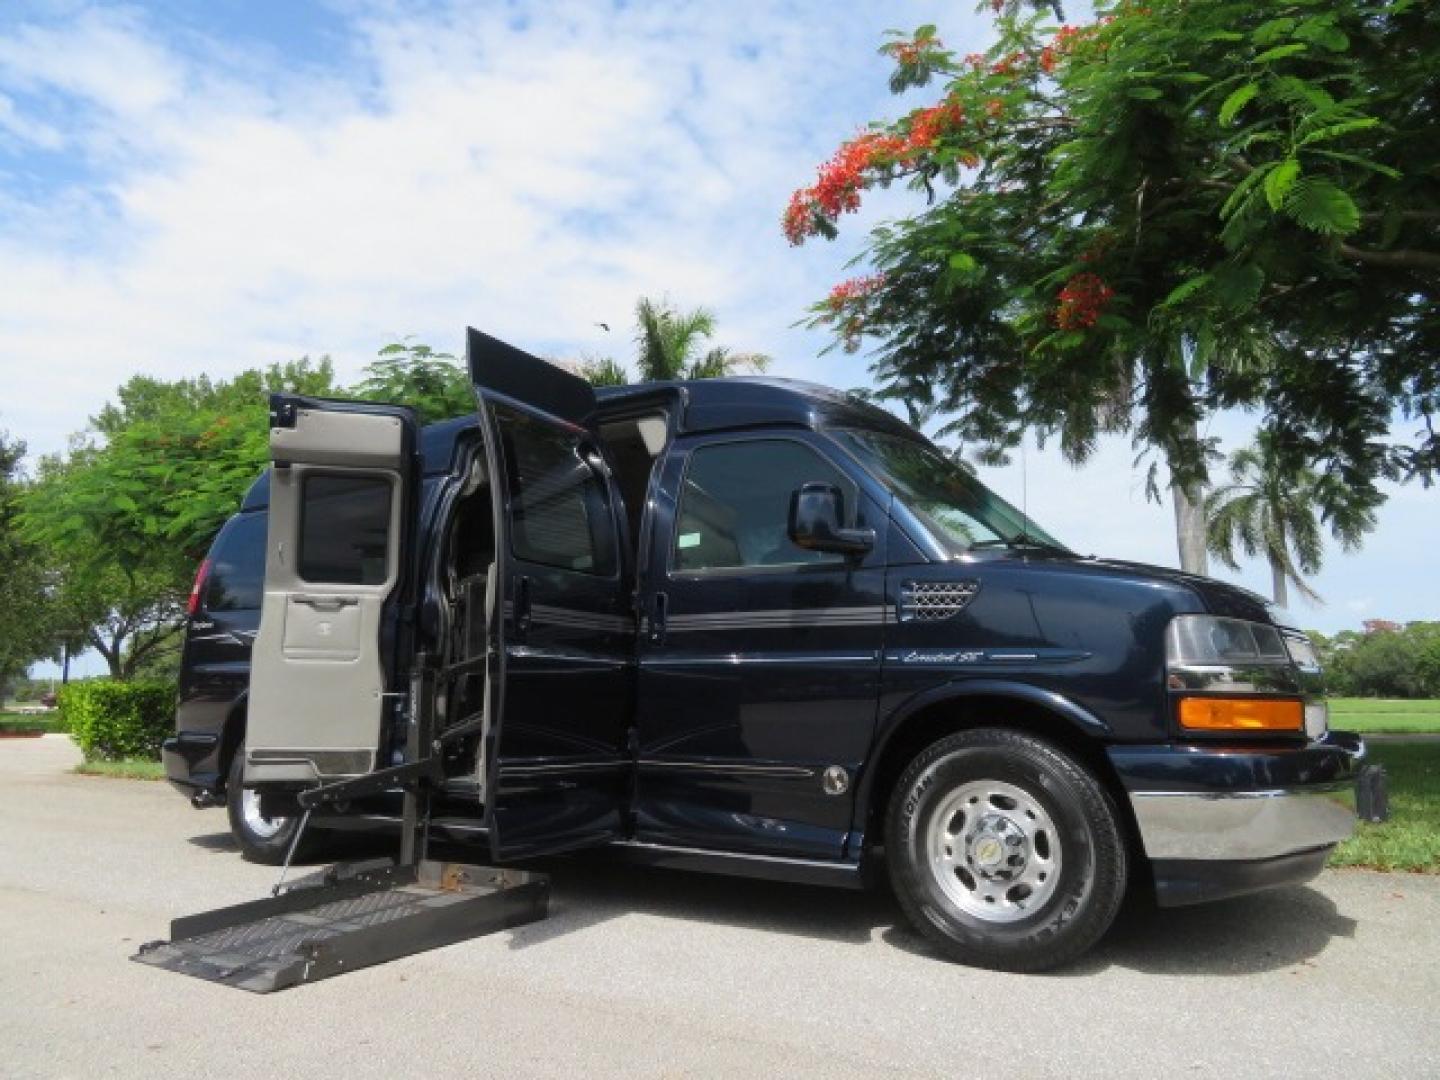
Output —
<point x="652" y="973"/>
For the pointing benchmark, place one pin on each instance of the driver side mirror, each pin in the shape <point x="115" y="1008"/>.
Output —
<point x="816" y="522"/>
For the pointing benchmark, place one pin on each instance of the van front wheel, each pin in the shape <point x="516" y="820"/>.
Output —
<point x="261" y="839"/>
<point x="1005" y="851"/>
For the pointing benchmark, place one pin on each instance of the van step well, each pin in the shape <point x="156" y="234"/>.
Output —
<point x="349" y="917"/>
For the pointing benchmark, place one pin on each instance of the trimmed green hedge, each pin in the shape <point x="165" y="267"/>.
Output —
<point x="112" y="721"/>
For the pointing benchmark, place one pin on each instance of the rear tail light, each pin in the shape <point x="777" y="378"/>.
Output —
<point x="197" y="590"/>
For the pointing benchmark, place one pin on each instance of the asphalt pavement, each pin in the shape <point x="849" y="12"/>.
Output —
<point x="649" y="973"/>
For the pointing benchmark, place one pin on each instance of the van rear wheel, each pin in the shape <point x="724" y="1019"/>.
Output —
<point x="1005" y="851"/>
<point x="261" y="839"/>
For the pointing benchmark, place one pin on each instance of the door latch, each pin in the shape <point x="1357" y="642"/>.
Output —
<point x="659" y="618"/>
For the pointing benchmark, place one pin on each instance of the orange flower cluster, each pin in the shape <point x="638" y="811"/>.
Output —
<point x="1062" y="45"/>
<point x="840" y="181"/>
<point x="928" y="125"/>
<point x="837" y="189"/>
<point x="847" y="302"/>
<point x="1082" y="301"/>
<point x="854" y="290"/>
<point x="911" y="52"/>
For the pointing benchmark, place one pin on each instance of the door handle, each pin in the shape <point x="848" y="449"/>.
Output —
<point x="327" y="603"/>
<point x="522" y="607"/>
<point x="659" y="618"/>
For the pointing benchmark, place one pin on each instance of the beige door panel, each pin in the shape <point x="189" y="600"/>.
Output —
<point x="317" y="685"/>
<point x="322" y="627"/>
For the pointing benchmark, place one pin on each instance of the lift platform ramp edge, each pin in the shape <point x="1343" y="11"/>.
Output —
<point x="348" y="917"/>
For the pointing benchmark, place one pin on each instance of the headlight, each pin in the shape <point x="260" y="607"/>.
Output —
<point x="1209" y="639"/>
<point x="1232" y="675"/>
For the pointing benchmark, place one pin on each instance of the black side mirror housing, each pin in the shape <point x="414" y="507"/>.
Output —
<point x="817" y="514"/>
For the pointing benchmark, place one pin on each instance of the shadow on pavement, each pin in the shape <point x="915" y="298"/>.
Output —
<point x="1265" y="932"/>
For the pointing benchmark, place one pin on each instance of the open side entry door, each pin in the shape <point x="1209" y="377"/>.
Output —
<point x="555" y="766"/>
<point x="341" y="505"/>
<point x="340" y="502"/>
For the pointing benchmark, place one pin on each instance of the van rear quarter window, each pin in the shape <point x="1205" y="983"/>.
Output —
<point x="237" y="566"/>
<point x="344" y="529"/>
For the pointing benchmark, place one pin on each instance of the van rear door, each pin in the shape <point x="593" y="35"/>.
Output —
<point x="555" y="768"/>
<point x="343" y="478"/>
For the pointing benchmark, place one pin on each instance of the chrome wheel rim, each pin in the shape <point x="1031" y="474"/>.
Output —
<point x="256" y="822"/>
<point x="994" y="851"/>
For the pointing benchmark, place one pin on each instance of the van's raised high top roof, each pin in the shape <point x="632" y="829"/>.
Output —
<point x="731" y="403"/>
<point x="751" y="401"/>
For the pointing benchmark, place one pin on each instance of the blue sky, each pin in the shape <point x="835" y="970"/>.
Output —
<point x="190" y="187"/>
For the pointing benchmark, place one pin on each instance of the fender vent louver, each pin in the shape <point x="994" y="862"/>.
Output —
<point x="927" y="601"/>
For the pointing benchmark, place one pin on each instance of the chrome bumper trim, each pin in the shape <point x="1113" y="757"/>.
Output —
<point x="1243" y="824"/>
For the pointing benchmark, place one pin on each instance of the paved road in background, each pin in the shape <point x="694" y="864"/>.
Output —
<point x="653" y="973"/>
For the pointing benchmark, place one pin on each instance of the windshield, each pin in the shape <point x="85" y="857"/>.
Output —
<point x="958" y="510"/>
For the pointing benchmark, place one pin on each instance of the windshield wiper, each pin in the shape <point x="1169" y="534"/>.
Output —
<point x="1020" y="542"/>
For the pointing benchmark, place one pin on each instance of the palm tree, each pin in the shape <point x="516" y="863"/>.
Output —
<point x="1274" y="517"/>
<point x="669" y="345"/>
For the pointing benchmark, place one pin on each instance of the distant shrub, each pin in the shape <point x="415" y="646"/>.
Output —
<point x="112" y="721"/>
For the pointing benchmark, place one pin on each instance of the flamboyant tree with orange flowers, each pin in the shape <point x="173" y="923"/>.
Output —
<point x="1181" y="207"/>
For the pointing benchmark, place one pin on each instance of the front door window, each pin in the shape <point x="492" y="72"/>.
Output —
<point x="735" y="505"/>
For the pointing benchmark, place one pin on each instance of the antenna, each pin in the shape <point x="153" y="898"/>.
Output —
<point x="1024" y="495"/>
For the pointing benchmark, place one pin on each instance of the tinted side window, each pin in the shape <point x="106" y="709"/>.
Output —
<point x="237" y="566"/>
<point x="560" y="506"/>
<point x="344" y="529"/>
<point x="735" y="504"/>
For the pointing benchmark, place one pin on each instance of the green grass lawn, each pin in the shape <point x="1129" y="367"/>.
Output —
<point x="1382" y="715"/>
<point x="123" y="770"/>
<point x="17" y="723"/>
<point x="1410" y="840"/>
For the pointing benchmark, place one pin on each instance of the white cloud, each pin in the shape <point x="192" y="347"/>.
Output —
<point x="532" y="179"/>
<point x="224" y="206"/>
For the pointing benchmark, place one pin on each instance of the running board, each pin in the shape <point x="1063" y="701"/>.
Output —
<point x="349" y="917"/>
<point x="742" y="864"/>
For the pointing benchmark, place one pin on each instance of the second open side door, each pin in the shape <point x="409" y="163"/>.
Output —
<point x="555" y="762"/>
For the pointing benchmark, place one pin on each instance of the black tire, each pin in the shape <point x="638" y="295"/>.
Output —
<point x="1073" y="905"/>
<point x="258" y="845"/>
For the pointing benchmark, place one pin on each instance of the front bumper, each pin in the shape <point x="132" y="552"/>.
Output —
<point x="1218" y="821"/>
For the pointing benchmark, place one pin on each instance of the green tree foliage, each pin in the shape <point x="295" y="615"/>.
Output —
<point x="1184" y="207"/>
<point x="603" y="371"/>
<point x="1265" y="512"/>
<point x="673" y="344"/>
<point x="434" y="384"/>
<point x="1387" y="660"/>
<point x="25" y="619"/>
<point x="124" y="518"/>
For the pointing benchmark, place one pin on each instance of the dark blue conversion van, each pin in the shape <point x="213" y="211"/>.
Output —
<point x="749" y="626"/>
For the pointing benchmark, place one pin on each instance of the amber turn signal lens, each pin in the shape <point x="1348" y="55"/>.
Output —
<point x="1240" y="714"/>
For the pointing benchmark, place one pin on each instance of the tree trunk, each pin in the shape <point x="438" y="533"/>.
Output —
<point x="65" y="664"/>
<point x="1279" y="582"/>
<point x="111" y="655"/>
<point x="1190" y="529"/>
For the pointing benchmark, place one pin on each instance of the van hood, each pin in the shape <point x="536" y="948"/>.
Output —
<point x="1218" y="597"/>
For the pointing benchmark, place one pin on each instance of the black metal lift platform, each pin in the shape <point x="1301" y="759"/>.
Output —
<point x="354" y="915"/>
<point x="345" y="919"/>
